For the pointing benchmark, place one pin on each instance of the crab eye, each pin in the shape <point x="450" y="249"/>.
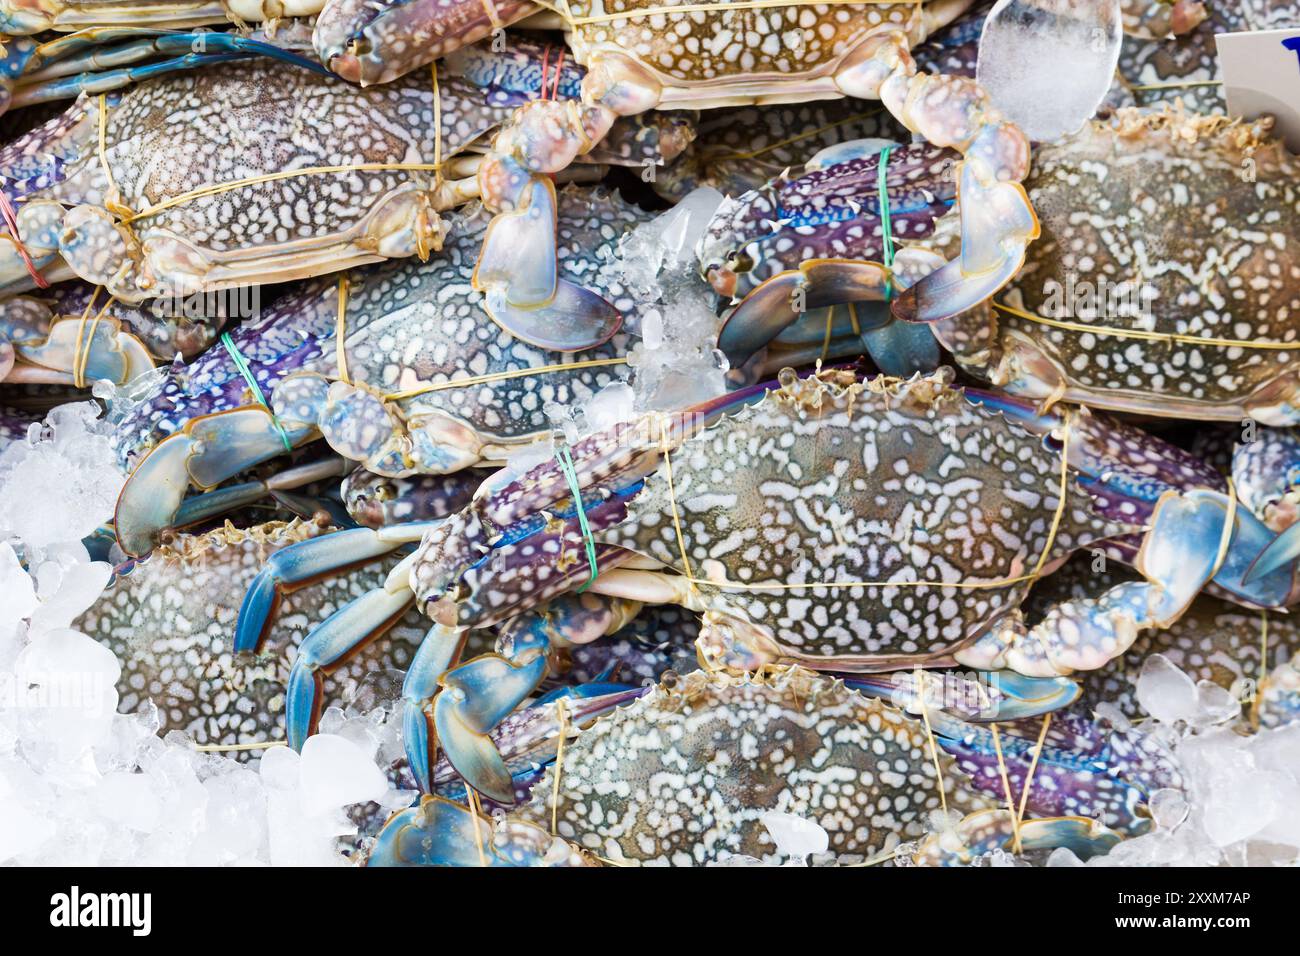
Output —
<point x="385" y="492"/>
<point x="741" y="262"/>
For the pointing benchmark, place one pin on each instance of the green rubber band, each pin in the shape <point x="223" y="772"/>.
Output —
<point x="886" y="231"/>
<point x="241" y="364"/>
<point x="565" y="461"/>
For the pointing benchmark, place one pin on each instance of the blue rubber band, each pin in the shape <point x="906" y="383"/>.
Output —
<point x="565" y="461"/>
<point x="241" y="364"/>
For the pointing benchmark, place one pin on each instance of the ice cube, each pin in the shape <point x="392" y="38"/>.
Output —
<point x="336" y="773"/>
<point x="1166" y="692"/>
<point x="1047" y="64"/>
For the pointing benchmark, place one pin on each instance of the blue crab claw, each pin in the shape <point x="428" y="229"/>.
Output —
<point x="518" y="273"/>
<point x="997" y="225"/>
<point x="299" y="565"/>
<point x="111" y="353"/>
<point x="207" y="451"/>
<point x="770" y="308"/>
<point x="475" y="698"/>
<point x="439" y="650"/>
<point x="438" y="832"/>
<point x="1281" y="551"/>
<point x="984" y="831"/>
<point x="978" y="696"/>
<point x="1185" y="544"/>
<point x="575" y="319"/>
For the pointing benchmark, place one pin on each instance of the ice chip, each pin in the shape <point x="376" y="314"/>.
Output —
<point x="795" y="836"/>
<point x="1214" y="704"/>
<point x="1166" y="692"/>
<point x="1168" y="807"/>
<point x="1047" y="64"/>
<point x="336" y="773"/>
<point x="129" y="799"/>
<point x="279" y="768"/>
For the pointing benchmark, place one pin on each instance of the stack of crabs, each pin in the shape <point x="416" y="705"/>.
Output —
<point x="893" y="561"/>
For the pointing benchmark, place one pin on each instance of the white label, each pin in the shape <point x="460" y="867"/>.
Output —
<point x="1261" y="74"/>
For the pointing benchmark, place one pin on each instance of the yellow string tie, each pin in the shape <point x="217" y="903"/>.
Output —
<point x="80" y="352"/>
<point x="113" y="196"/>
<point x="475" y="811"/>
<point x="559" y="766"/>
<point x="1170" y="338"/>
<point x="501" y="376"/>
<point x="1257" y="711"/>
<point x="1174" y="85"/>
<point x="826" y="342"/>
<point x="929" y="733"/>
<point x="1033" y="765"/>
<point x="1006" y="787"/>
<point x="233" y="748"/>
<point x="340" y="329"/>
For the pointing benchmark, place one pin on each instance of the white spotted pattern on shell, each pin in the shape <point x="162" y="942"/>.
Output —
<point x="712" y="45"/>
<point x="251" y="118"/>
<point x="171" y="622"/>
<point x="1164" y="200"/>
<point x="683" y="775"/>
<point x="418" y="324"/>
<point x="884" y="485"/>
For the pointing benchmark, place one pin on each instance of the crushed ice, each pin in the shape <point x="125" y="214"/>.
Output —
<point x="81" y="784"/>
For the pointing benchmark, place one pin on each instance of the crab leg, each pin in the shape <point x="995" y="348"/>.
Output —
<point x="348" y="628"/>
<point x="300" y="564"/>
<point x="56" y="83"/>
<point x="197" y="508"/>
<point x="479" y="694"/>
<point x="1180" y="555"/>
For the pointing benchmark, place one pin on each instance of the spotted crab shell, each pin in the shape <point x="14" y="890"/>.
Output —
<point x="909" y="484"/>
<point x="684" y="775"/>
<point x="1201" y="217"/>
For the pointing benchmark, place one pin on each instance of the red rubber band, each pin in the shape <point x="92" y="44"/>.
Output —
<point x="11" y="220"/>
<point x="546" y="59"/>
<point x="559" y="72"/>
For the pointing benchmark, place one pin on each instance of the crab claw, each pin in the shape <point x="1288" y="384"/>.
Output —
<point x="997" y="224"/>
<point x="518" y="273"/>
<point x="376" y="41"/>
<point x="1282" y="550"/>
<point x="1182" y="550"/>
<point x="207" y="451"/>
<point x="439" y="832"/>
<point x="476" y="697"/>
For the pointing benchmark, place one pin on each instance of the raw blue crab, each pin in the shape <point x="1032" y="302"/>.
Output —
<point x="408" y="325"/>
<point x="645" y="56"/>
<point x="684" y="775"/>
<point x="743" y="523"/>
<point x="264" y="173"/>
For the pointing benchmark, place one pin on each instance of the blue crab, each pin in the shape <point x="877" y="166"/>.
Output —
<point x="282" y="185"/>
<point x="1153" y="239"/>
<point x="742" y="522"/>
<point x="684" y="775"/>
<point x="412" y="330"/>
<point x="168" y="619"/>
<point x="642" y="57"/>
